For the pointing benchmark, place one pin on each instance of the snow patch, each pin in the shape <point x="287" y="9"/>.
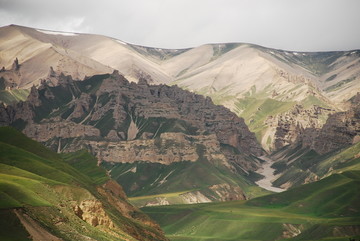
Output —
<point x="119" y="41"/>
<point x="57" y="33"/>
<point x="295" y="53"/>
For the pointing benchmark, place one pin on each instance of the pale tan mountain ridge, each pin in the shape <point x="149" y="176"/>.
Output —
<point x="203" y="69"/>
<point x="110" y="52"/>
<point x="36" y="57"/>
<point x="184" y="63"/>
<point x="239" y="71"/>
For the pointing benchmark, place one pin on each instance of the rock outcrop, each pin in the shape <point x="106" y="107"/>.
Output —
<point x="105" y="109"/>
<point x="340" y="130"/>
<point x="57" y="128"/>
<point x="166" y="149"/>
<point x="286" y="128"/>
<point x="92" y="212"/>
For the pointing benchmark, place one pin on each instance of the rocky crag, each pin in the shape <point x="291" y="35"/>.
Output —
<point x="286" y="128"/>
<point x="123" y="122"/>
<point x="340" y="130"/>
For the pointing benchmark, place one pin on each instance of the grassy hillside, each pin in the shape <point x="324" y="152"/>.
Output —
<point x="146" y="182"/>
<point x="68" y="197"/>
<point x="325" y="210"/>
<point x="255" y="111"/>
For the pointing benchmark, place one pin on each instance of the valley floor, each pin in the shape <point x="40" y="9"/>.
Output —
<point x="268" y="172"/>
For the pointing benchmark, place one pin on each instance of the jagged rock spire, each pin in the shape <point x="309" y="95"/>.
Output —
<point x="16" y="65"/>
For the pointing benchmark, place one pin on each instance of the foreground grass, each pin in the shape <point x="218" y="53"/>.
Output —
<point x="45" y="187"/>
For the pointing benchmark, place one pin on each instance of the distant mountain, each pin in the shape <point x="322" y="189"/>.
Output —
<point x="260" y="84"/>
<point x="47" y="196"/>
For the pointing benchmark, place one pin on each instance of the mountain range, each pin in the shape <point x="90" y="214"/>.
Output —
<point x="185" y="126"/>
<point x="257" y="83"/>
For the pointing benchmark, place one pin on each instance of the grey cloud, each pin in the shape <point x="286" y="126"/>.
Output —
<point x="301" y="25"/>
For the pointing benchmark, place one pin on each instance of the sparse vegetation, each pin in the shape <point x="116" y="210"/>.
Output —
<point x="13" y="96"/>
<point x="332" y="77"/>
<point x="339" y="84"/>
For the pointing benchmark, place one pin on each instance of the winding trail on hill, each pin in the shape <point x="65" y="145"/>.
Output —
<point x="268" y="172"/>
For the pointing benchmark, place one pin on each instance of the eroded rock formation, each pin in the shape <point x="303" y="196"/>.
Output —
<point x="105" y="109"/>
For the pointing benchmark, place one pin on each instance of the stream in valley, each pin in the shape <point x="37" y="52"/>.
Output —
<point x="268" y="172"/>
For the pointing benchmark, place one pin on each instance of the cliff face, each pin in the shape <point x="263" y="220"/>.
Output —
<point x="288" y="127"/>
<point x="166" y="149"/>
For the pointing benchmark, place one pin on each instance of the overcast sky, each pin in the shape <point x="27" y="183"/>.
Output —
<point x="299" y="25"/>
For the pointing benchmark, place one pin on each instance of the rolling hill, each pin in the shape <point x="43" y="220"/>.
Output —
<point x="323" y="210"/>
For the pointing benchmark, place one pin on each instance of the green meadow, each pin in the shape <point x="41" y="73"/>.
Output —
<point x="325" y="210"/>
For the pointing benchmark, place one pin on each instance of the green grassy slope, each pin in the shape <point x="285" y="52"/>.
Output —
<point x="47" y="187"/>
<point x="148" y="181"/>
<point x="325" y="210"/>
<point x="12" y="96"/>
<point x="255" y="111"/>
